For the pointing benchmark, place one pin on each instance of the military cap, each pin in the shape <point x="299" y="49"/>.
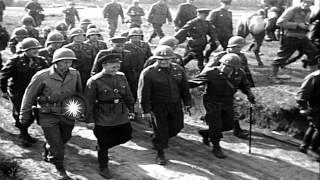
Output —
<point x="118" y="39"/>
<point x="169" y="41"/>
<point x="110" y="58"/>
<point x="85" y="21"/>
<point x="203" y="11"/>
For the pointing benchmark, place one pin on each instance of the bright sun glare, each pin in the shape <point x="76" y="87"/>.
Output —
<point x="73" y="108"/>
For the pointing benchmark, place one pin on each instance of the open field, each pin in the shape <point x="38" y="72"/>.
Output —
<point x="188" y="158"/>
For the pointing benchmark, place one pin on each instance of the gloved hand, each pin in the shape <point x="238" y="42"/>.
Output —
<point x="90" y="126"/>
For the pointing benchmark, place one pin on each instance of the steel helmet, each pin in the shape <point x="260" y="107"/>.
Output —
<point x="169" y="41"/>
<point x="235" y="41"/>
<point x="61" y="26"/>
<point x="163" y="52"/>
<point x="90" y="26"/>
<point x="27" y="20"/>
<point x="135" y="32"/>
<point x="76" y="31"/>
<point x="20" y="32"/>
<point x="226" y="1"/>
<point x="85" y="21"/>
<point x="63" y="54"/>
<point x="54" y="37"/>
<point x="231" y="59"/>
<point x="29" y="43"/>
<point x="92" y="31"/>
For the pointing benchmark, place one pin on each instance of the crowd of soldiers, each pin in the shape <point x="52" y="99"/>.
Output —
<point x="115" y="81"/>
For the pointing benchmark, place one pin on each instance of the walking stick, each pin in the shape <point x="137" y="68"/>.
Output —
<point x="250" y="127"/>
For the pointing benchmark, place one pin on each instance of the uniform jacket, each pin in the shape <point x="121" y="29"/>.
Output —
<point x="290" y="19"/>
<point x="33" y="7"/>
<point x="112" y="11"/>
<point x="197" y="30"/>
<point x="17" y="73"/>
<point x="186" y="12"/>
<point x="71" y="13"/>
<point x="159" y="13"/>
<point x="163" y="85"/>
<point x="96" y="46"/>
<point x="222" y="20"/>
<point x="47" y="53"/>
<point x="109" y="98"/>
<point x="135" y="14"/>
<point x="142" y="52"/>
<point x="220" y="88"/>
<point x="244" y="64"/>
<point x="126" y="58"/>
<point x="84" y="54"/>
<point x="309" y="92"/>
<point x="47" y="89"/>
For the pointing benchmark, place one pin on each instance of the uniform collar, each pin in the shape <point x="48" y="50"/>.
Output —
<point x="54" y="75"/>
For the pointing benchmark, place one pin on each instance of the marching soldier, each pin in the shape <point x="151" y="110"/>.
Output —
<point x="18" y="35"/>
<point x="47" y="89"/>
<point x="162" y="88"/>
<point x="222" y="83"/>
<point x="35" y="10"/>
<point x="135" y="13"/>
<point x="93" y="41"/>
<point x="54" y="41"/>
<point x="196" y="30"/>
<point x="157" y="17"/>
<point x="142" y="53"/>
<point x="84" y="54"/>
<point x="110" y="108"/>
<point x="71" y="13"/>
<point x="15" y="77"/>
<point x="308" y="100"/>
<point x="186" y="11"/>
<point x="294" y="21"/>
<point x="111" y="13"/>
<point x="221" y="18"/>
<point x="28" y="22"/>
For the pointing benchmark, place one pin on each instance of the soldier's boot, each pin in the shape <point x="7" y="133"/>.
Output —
<point x="62" y="174"/>
<point x="160" y="159"/>
<point x="103" y="160"/>
<point x="257" y="55"/>
<point x="306" y="139"/>
<point x="205" y="136"/>
<point x="26" y="139"/>
<point x="238" y="132"/>
<point x="216" y="150"/>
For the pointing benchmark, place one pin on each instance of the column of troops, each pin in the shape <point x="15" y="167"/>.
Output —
<point x="111" y="80"/>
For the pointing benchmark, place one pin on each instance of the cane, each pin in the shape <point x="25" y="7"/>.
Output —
<point x="250" y="127"/>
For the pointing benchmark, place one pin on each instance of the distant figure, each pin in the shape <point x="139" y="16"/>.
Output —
<point x="255" y="26"/>
<point x="71" y="13"/>
<point x="84" y="23"/>
<point x="17" y="36"/>
<point x="27" y="23"/>
<point x="2" y="8"/>
<point x="186" y="11"/>
<point x="53" y="42"/>
<point x="35" y="10"/>
<point x="135" y="12"/>
<point x="158" y="15"/>
<point x="111" y="13"/>
<point x="62" y="28"/>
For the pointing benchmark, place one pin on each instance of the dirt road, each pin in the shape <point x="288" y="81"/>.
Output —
<point x="188" y="157"/>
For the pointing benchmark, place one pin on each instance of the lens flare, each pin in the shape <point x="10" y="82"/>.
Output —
<point x="73" y="108"/>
